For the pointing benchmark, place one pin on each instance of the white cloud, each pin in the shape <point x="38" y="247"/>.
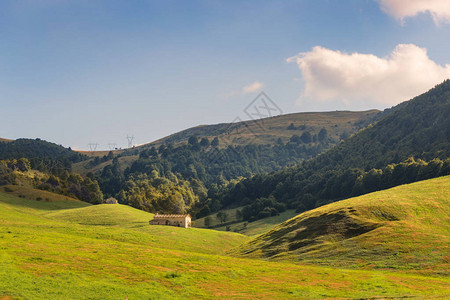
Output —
<point x="248" y="89"/>
<point x="401" y="9"/>
<point x="253" y="88"/>
<point x="333" y="75"/>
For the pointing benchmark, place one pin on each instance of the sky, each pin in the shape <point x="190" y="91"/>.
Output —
<point x="94" y="72"/>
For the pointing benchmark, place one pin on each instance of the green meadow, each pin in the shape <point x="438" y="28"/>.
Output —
<point x="61" y="248"/>
<point x="403" y="228"/>
<point x="248" y="228"/>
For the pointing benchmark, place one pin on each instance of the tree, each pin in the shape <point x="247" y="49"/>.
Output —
<point x="23" y="164"/>
<point x="295" y="139"/>
<point x="238" y="214"/>
<point x="204" y="142"/>
<point x="222" y="217"/>
<point x="110" y="155"/>
<point x="207" y="221"/>
<point x="322" y="134"/>
<point x="193" y="141"/>
<point x="215" y="142"/>
<point x="306" y="137"/>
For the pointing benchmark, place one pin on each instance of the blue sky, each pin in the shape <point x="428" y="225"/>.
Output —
<point x="80" y="72"/>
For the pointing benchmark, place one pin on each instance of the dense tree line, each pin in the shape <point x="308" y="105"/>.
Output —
<point x="200" y="159"/>
<point x="158" y="194"/>
<point x="43" y="156"/>
<point x="304" y="190"/>
<point x="68" y="184"/>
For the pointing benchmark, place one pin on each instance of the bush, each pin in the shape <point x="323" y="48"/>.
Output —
<point x="8" y="189"/>
<point x="172" y="275"/>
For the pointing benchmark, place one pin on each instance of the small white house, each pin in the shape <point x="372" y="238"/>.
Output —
<point x="172" y="220"/>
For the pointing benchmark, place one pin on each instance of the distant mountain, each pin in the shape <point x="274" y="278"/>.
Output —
<point x="270" y="143"/>
<point x="419" y="128"/>
<point x="339" y="125"/>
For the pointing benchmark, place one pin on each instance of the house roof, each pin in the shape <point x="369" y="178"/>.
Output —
<point x="170" y="216"/>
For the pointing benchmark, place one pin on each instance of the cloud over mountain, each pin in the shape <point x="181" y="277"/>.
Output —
<point x="401" y="9"/>
<point x="357" y="77"/>
<point x="253" y="88"/>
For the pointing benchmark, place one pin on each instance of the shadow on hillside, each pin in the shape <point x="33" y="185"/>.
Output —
<point x="335" y="226"/>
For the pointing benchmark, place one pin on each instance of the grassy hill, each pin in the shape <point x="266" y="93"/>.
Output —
<point x="48" y="251"/>
<point x="29" y="197"/>
<point x="406" y="227"/>
<point x="104" y="214"/>
<point x="268" y="130"/>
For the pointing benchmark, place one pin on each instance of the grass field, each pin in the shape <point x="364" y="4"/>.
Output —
<point x="109" y="252"/>
<point x="406" y="227"/>
<point x="252" y="228"/>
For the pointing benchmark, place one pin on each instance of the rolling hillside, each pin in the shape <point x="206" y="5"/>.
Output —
<point x="406" y="227"/>
<point x="375" y="158"/>
<point x="47" y="253"/>
<point x="267" y="131"/>
<point x="105" y="215"/>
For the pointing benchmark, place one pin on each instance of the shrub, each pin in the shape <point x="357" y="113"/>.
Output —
<point x="172" y="275"/>
<point x="8" y="189"/>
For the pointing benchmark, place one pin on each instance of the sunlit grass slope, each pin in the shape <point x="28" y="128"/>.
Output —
<point x="30" y="198"/>
<point x="406" y="227"/>
<point x="48" y="254"/>
<point x="251" y="228"/>
<point x="104" y="214"/>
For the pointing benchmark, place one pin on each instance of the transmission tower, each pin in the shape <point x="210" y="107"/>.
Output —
<point x="130" y="141"/>
<point x="112" y="146"/>
<point x="93" y="146"/>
